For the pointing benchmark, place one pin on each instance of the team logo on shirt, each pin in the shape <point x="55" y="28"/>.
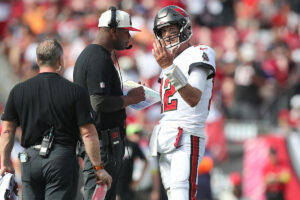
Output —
<point x="205" y="57"/>
<point x="102" y="85"/>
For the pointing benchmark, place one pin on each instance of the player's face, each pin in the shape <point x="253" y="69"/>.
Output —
<point x="123" y="38"/>
<point x="170" y="34"/>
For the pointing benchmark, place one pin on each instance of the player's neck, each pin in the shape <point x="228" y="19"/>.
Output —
<point x="182" y="47"/>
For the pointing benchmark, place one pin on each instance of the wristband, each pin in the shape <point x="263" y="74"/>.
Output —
<point x="98" y="167"/>
<point x="176" y="76"/>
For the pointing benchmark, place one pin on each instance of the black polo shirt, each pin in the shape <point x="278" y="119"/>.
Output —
<point x="28" y="105"/>
<point x="95" y="71"/>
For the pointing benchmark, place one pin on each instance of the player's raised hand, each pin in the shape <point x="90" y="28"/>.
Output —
<point x="163" y="57"/>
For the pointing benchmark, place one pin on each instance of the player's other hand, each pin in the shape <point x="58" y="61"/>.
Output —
<point x="136" y="95"/>
<point x="163" y="57"/>
<point x="103" y="178"/>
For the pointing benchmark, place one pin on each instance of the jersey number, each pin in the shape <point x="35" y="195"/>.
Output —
<point x="169" y="92"/>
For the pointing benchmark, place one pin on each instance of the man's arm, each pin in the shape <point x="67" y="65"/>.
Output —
<point x="190" y="95"/>
<point x="108" y="104"/>
<point x="92" y="148"/>
<point x="6" y="144"/>
<point x="99" y="82"/>
<point x="155" y="193"/>
<point x="192" y="91"/>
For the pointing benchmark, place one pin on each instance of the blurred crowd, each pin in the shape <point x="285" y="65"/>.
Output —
<point x="256" y="41"/>
<point x="257" y="45"/>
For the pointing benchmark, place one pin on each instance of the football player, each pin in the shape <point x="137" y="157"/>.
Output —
<point x="186" y="84"/>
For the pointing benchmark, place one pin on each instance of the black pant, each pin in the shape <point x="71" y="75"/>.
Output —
<point x="124" y="190"/>
<point x="51" y="178"/>
<point x="112" y="164"/>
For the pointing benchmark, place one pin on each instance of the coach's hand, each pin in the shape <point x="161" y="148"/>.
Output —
<point x="136" y="95"/>
<point x="103" y="178"/>
<point x="163" y="57"/>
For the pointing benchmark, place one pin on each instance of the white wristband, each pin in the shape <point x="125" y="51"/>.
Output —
<point x="176" y="76"/>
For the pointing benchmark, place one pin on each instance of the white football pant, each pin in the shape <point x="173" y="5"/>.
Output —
<point x="179" y="168"/>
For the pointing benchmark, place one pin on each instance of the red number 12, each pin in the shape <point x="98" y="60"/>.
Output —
<point x="169" y="92"/>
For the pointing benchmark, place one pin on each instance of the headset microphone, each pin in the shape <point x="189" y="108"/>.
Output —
<point x="129" y="47"/>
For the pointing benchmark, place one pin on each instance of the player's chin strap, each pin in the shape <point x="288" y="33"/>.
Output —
<point x="177" y="46"/>
<point x="170" y="47"/>
<point x="176" y="76"/>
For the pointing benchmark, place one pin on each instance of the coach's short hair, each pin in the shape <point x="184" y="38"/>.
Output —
<point x="48" y="52"/>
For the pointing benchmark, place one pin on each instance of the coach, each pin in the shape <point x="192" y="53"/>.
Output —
<point x="52" y="113"/>
<point x="95" y="71"/>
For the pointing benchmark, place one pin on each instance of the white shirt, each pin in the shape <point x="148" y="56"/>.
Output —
<point x="175" y="112"/>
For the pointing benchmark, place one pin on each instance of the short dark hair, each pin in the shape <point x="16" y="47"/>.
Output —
<point x="48" y="52"/>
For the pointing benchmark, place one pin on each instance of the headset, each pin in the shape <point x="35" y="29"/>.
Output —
<point x="113" y="20"/>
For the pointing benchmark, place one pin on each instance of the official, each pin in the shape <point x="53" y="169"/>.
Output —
<point x="52" y="113"/>
<point x="95" y="71"/>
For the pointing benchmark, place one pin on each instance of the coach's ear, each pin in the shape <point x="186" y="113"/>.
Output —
<point x="61" y="61"/>
<point x="113" y="32"/>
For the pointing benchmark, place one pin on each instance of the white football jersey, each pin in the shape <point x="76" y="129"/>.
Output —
<point x="175" y="112"/>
